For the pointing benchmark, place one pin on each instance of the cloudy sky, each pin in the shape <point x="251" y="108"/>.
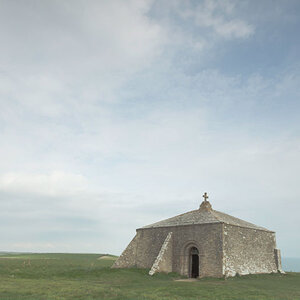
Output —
<point x="117" y="114"/>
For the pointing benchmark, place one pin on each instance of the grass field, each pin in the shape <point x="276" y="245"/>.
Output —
<point x="85" y="276"/>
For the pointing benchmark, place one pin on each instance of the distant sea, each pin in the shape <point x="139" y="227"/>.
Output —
<point x="291" y="264"/>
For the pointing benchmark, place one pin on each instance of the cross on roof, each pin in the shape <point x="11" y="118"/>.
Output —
<point x="205" y="196"/>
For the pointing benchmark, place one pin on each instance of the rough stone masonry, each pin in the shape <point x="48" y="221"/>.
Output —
<point x="203" y="242"/>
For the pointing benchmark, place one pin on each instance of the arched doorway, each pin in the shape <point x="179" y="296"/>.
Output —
<point x="194" y="262"/>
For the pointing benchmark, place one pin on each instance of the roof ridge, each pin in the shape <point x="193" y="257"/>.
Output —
<point x="227" y="215"/>
<point x="213" y="213"/>
<point x="184" y="213"/>
<point x="190" y="217"/>
<point x="244" y="223"/>
<point x="203" y="216"/>
<point x="171" y="218"/>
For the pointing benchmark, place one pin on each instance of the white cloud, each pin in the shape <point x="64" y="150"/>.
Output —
<point x="233" y="28"/>
<point x="103" y="130"/>
<point x="220" y="16"/>
<point x="85" y="34"/>
<point x="82" y="50"/>
<point x="55" y="184"/>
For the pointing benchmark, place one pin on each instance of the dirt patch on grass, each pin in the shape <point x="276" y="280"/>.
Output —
<point x="187" y="280"/>
<point x="107" y="257"/>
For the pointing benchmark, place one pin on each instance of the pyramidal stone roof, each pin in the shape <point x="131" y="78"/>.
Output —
<point x="204" y="215"/>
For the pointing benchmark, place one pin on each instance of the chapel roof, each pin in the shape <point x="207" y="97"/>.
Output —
<point x="204" y="215"/>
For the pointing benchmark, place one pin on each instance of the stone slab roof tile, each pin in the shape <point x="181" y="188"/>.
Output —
<point x="203" y="216"/>
<point x="191" y="217"/>
<point x="227" y="219"/>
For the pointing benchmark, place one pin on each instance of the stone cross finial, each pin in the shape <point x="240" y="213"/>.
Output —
<point x="205" y="205"/>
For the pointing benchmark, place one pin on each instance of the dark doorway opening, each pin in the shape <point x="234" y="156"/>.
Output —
<point x="194" y="262"/>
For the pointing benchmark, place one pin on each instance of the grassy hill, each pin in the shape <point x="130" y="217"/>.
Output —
<point x="88" y="276"/>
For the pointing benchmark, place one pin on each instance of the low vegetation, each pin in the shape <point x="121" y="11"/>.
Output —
<point x="88" y="276"/>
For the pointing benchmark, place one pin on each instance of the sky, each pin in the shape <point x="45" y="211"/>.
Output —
<point x="118" y="114"/>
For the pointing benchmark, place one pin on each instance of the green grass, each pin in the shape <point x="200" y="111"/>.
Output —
<point x="85" y="276"/>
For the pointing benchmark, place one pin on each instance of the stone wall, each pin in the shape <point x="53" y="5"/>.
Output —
<point x="223" y="250"/>
<point x="278" y="260"/>
<point x="145" y="247"/>
<point x="164" y="259"/>
<point x="149" y="245"/>
<point x="128" y="258"/>
<point x="248" y="251"/>
<point x="207" y="238"/>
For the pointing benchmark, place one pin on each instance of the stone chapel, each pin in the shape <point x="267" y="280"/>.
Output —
<point x="203" y="242"/>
